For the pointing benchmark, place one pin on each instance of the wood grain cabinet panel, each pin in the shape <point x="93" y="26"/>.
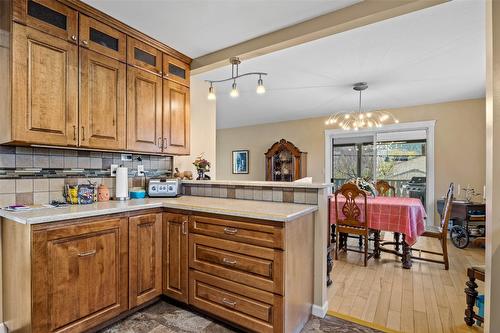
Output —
<point x="102" y="101"/>
<point x="175" y="256"/>
<point x="145" y="254"/>
<point x="45" y="88"/>
<point x="49" y="16"/>
<point x="176" y="118"/>
<point x="144" y="111"/>
<point x="80" y="275"/>
<point x="101" y="38"/>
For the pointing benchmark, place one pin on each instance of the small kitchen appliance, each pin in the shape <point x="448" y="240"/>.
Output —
<point x="164" y="187"/>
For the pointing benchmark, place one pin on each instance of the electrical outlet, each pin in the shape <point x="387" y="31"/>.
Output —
<point x="127" y="157"/>
<point x="113" y="169"/>
<point x="140" y="170"/>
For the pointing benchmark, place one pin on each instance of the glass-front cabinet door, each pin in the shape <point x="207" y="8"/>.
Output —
<point x="48" y="16"/>
<point x="103" y="39"/>
<point x="175" y="70"/>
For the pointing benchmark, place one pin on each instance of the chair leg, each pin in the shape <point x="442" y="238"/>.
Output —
<point x="444" y="244"/>
<point x="396" y="240"/>
<point x="360" y="241"/>
<point x="337" y="244"/>
<point x="366" y="250"/>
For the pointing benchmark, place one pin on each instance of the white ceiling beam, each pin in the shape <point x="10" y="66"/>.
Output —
<point x="348" y="18"/>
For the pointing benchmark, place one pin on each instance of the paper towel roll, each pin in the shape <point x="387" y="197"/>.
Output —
<point x="121" y="183"/>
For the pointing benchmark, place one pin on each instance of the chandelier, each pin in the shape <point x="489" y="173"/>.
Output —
<point x="235" y="62"/>
<point x="361" y="119"/>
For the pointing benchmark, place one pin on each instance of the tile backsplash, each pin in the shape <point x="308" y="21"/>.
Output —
<point x="38" y="175"/>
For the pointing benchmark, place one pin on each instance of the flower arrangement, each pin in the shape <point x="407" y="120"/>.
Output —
<point x="201" y="163"/>
<point x="364" y="185"/>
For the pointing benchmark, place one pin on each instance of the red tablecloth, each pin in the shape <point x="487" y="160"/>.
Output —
<point x="395" y="214"/>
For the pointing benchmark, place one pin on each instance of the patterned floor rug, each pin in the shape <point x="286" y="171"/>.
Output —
<point x="163" y="317"/>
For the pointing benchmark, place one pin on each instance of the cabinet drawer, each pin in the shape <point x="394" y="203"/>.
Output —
<point x="247" y="232"/>
<point x="251" y="265"/>
<point x="248" y="307"/>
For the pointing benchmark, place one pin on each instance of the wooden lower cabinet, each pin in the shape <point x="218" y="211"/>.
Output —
<point x="145" y="254"/>
<point x="79" y="275"/>
<point x="175" y="256"/>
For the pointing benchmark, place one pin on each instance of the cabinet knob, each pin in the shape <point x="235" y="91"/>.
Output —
<point x="84" y="42"/>
<point x="159" y="142"/>
<point x="165" y="142"/>
<point x="73" y="38"/>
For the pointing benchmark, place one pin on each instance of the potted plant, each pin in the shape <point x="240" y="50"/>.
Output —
<point x="202" y="166"/>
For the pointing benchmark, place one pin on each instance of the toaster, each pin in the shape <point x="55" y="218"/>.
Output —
<point x="164" y="187"/>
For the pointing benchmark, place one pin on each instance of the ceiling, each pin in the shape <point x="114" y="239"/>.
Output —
<point x="199" y="27"/>
<point x="430" y="56"/>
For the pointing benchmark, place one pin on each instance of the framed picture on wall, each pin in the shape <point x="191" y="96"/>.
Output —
<point x="240" y="161"/>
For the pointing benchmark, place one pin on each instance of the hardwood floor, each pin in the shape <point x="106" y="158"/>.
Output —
<point x="426" y="298"/>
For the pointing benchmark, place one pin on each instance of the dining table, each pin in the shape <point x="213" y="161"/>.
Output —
<point x="401" y="215"/>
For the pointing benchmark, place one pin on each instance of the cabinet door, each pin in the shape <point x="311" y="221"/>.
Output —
<point x="102" y="101"/>
<point x="176" y="118"/>
<point x="175" y="256"/>
<point x="49" y="16"/>
<point x="175" y="70"/>
<point x="144" y="111"/>
<point x="145" y="251"/>
<point x="79" y="275"/>
<point x="45" y="83"/>
<point x="102" y="38"/>
<point x="143" y="56"/>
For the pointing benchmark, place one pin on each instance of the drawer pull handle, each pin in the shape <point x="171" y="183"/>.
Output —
<point x="228" y="303"/>
<point x="228" y="261"/>
<point x="183" y="227"/>
<point x="87" y="254"/>
<point x="230" y="231"/>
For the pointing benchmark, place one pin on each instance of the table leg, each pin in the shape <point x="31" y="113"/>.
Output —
<point x="471" y="295"/>
<point x="376" y="250"/>
<point x="396" y="240"/>
<point x="406" y="258"/>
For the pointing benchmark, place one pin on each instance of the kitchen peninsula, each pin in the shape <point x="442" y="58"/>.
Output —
<point x="80" y="267"/>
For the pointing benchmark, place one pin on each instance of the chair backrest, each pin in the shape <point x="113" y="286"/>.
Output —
<point x="448" y="203"/>
<point x="352" y="213"/>
<point x="385" y="189"/>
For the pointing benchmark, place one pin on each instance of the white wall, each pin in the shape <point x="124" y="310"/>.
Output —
<point x="203" y="129"/>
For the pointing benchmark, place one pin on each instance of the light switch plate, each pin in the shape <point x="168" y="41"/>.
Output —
<point x="140" y="170"/>
<point x="113" y="169"/>
<point x="127" y="157"/>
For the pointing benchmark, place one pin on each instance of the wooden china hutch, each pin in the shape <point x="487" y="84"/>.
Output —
<point x="285" y="162"/>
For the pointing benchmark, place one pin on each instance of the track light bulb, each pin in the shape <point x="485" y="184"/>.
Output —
<point x="211" y="94"/>
<point x="234" y="91"/>
<point x="260" y="87"/>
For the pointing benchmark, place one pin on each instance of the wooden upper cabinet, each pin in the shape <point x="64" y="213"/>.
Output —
<point x="144" y="56"/>
<point x="102" y="101"/>
<point x="175" y="256"/>
<point x="79" y="275"/>
<point x="145" y="253"/>
<point x="176" y="118"/>
<point x="102" y="38"/>
<point x="48" y="16"/>
<point x="144" y="111"/>
<point x="176" y="70"/>
<point x="45" y="88"/>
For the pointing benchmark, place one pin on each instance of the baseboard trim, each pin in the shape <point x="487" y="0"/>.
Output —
<point x="320" y="311"/>
<point x="3" y="328"/>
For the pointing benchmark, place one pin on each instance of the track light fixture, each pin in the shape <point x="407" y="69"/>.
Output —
<point x="235" y="62"/>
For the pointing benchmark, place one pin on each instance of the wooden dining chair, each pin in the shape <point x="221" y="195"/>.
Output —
<point x="439" y="232"/>
<point x="354" y="219"/>
<point x="387" y="190"/>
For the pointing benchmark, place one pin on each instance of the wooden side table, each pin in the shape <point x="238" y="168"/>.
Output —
<point x="471" y="294"/>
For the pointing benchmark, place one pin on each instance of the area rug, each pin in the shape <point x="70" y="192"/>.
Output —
<point x="163" y="317"/>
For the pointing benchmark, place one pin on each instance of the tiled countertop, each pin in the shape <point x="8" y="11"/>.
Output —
<point x="256" y="183"/>
<point x="273" y="211"/>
